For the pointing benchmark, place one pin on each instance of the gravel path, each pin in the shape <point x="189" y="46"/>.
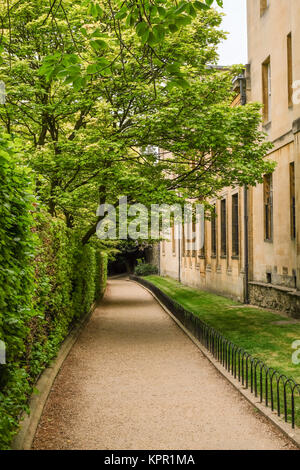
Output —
<point x="134" y="380"/>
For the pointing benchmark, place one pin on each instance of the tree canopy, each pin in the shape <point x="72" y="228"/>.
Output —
<point x="94" y="88"/>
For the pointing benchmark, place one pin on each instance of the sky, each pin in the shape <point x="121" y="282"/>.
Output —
<point x="234" y="49"/>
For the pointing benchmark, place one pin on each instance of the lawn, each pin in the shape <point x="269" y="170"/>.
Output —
<point x="251" y="328"/>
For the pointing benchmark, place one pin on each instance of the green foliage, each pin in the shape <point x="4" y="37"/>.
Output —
<point x="17" y="250"/>
<point x="48" y="280"/>
<point x="84" y="280"/>
<point x="54" y="272"/>
<point x="145" y="269"/>
<point x="93" y="105"/>
<point x="13" y="401"/>
<point x="151" y="20"/>
<point x="101" y="274"/>
<point x="93" y="88"/>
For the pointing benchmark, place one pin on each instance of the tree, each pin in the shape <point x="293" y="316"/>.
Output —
<point x="92" y="95"/>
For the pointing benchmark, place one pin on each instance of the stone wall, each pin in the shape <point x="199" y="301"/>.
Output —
<point x="276" y="298"/>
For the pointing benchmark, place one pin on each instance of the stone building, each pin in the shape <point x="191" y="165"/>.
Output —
<point x="251" y="249"/>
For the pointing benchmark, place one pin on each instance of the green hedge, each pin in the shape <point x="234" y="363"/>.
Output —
<point x="17" y="247"/>
<point x="48" y="280"/>
<point x="101" y="274"/>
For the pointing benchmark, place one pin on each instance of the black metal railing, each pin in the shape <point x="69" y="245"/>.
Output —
<point x="276" y="390"/>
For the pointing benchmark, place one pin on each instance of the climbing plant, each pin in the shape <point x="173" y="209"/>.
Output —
<point x="101" y="274"/>
<point x="94" y="88"/>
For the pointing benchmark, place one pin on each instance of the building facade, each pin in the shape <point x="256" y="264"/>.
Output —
<point x="274" y="64"/>
<point x="252" y="248"/>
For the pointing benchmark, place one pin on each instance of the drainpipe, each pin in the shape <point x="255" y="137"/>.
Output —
<point x="242" y="80"/>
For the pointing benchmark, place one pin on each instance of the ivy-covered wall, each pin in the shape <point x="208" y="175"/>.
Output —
<point x="48" y="280"/>
<point x="101" y="274"/>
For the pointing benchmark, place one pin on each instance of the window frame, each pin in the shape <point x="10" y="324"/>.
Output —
<point x="268" y="207"/>
<point x="290" y="69"/>
<point x="224" y="247"/>
<point x="235" y="225"/>
<point x="173" y="240"/>
<point x="202" y="251"/>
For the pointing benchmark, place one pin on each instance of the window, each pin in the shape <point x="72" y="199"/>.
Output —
<point x="263" y="6"/>
<point x="290" y="69"/>
<point x="213" y="233"/>
<point x="223" y="228"/>
<point x="268" y="207"/>
<point x="292" y="201"/>
<point x="267" y="90"/>
<point x="235" y="225"/>
<point x="173" y="241"/>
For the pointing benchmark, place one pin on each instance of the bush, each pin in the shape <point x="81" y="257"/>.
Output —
<point x="54" y="272"/>
<point x="145" y="269"/>
<point x="48" y="280"/>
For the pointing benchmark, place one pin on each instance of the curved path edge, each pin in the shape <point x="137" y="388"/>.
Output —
<point x="29" y="423"/>
<point x="293" y="435"/>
